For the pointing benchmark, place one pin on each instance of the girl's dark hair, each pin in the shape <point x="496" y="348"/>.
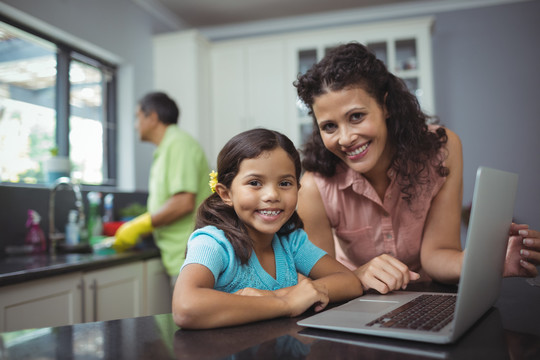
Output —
<point x="165" y="107"/>
<point x="353" y="65"/>
<point x="213" y="211"/>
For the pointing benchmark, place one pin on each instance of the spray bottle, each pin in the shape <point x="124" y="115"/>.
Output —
<point x="35" y="236"/>
<point x="95" y="226"/>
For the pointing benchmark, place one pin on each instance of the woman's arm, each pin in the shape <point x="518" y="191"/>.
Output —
<point x="197" y="305"/>
<point x="312" y="212"/>
<point x="441" y="254"/>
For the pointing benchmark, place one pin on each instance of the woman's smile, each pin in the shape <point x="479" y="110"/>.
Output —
<point x="359" y="152"/>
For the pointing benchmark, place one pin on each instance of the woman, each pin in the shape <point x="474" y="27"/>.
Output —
<point x="383" y="190"/>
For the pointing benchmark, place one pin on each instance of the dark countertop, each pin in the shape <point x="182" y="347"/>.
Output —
<point x="17" y="269"/>
<point x="511" y="329"/>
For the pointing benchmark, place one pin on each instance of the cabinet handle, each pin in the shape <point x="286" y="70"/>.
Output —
<point x="83" y="308"/>
<point x="93" y="287"/>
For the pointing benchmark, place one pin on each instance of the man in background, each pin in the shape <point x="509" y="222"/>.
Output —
<point x="178" y="183"/>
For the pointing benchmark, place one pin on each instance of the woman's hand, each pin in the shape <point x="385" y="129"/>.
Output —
<point x="384" y="274"/>
<point x="523" y="252"/>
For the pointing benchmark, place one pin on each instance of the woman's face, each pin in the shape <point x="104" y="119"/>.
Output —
<point x="353" y="127"/>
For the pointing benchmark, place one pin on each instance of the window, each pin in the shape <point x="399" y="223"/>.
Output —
<point x="55" y="102"/>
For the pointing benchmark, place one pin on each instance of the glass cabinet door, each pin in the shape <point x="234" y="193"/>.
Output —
<point x="305" y="59"/>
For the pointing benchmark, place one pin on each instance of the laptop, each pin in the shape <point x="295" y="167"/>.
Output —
<point x="478" y="289"/>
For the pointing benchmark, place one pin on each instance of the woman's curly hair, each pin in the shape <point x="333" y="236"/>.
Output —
<point x="249" y="144"/>
<point x="353" y="65"/>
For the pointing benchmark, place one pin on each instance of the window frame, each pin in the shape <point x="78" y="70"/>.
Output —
<point x="65" y="54"/>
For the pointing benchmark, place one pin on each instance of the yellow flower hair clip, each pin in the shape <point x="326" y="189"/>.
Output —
<point x="213" y="181"/>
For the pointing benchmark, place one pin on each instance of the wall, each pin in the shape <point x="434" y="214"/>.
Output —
<point x="486" y="90"/>
<point x="17" y="200"/>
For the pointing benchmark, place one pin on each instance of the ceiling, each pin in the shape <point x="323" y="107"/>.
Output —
<point x="208" y="13"/>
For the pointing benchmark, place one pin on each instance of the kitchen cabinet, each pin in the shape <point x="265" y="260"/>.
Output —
<point x="40" y="303"/>
<point x="122" y="291"/>
<point x="157" y="288"/>
<point x="249" y="81"/>
<point x="181" y="68"/>
<point x="113" y="293"/>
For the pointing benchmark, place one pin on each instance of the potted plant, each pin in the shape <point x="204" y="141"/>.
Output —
<point x="56" y="166"/>
<point x="132" y="211"/>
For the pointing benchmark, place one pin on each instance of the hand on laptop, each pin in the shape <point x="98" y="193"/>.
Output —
<point x="384" y="274"/>
<point x="523" y="253"/>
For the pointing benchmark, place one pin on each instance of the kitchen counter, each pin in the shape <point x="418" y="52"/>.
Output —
<point x="17" y="269"/>
<point x="511" y="329"/>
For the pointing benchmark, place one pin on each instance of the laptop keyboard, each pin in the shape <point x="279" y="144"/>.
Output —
<point x="426" y="312"/>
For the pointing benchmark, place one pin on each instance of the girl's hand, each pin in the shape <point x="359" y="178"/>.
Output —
<point x="523" y="252"/>
<point x="384" y="274"/>
<point x="301" y="296"/>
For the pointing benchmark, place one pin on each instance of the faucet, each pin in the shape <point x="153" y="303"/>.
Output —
<point x="54" y="235"/>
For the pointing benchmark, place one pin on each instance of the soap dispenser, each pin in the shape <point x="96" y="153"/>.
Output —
<point x="35" y="236"/>
<point x="72" y="228"/>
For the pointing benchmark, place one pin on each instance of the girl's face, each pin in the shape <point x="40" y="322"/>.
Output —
<point x="353" y="127"/>
<point x="263" y="193"/>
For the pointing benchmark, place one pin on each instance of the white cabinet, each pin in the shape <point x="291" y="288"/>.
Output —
<point x="181" y="63"/>
<point x="157" y="291"/>
<point x="123" y="291"/>
<point x="48" y="302"/>
<point x="113" y="293"/>
<point x="250" y="80"/>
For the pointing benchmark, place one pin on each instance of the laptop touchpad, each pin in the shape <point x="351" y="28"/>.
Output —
<point x="367" y="306"/>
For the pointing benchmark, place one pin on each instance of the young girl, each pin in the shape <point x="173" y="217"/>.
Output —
<point x="244" y="258"/>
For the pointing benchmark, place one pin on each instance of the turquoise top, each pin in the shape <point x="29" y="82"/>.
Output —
<point x="294" y="254"/>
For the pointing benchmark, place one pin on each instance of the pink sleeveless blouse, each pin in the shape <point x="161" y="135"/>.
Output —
<point x="366" y="226"/>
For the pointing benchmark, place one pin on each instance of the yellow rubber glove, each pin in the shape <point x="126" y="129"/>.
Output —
<point x="128" y="234"/>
